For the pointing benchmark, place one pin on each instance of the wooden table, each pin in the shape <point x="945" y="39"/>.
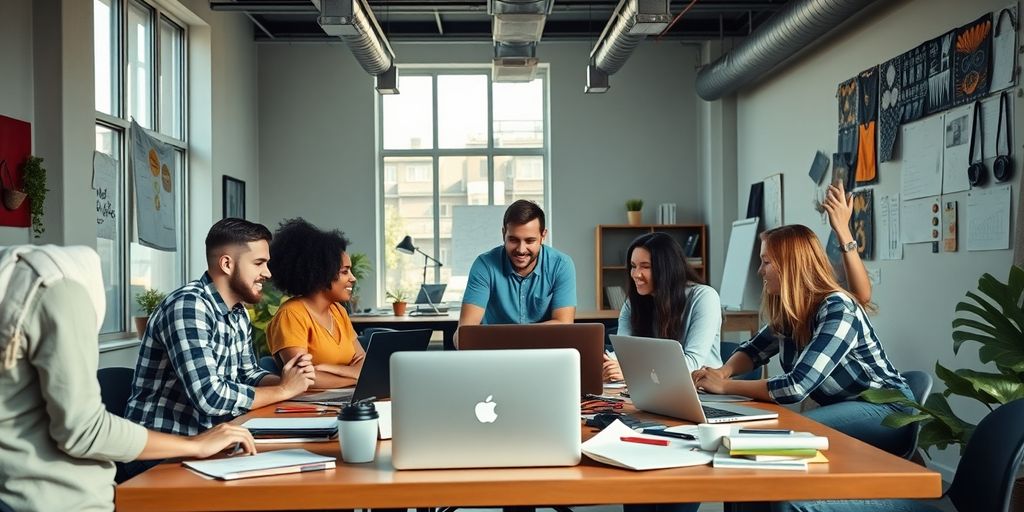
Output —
<point x="855" y="470"/>
<point x="747" y="321"/>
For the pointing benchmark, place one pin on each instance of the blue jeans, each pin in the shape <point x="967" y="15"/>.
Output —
<point x="662" y="507"/>
<point x="863" y="421"/>
<point x="837" y="506"/>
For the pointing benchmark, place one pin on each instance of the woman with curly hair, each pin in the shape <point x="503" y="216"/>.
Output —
<point x="312" y="266"/>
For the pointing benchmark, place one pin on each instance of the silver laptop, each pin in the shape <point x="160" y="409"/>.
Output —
<point x="485" y="408"/>
<point x="659" y="382"/>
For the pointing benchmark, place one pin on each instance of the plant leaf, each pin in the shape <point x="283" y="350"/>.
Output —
<point x="902" y="419"/>
<point x="1002" y="388"/>
<point x="884" y="396"/>
<point x="957" y="384"/>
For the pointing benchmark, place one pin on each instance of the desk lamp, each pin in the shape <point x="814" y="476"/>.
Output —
<point x="407" y="246"/>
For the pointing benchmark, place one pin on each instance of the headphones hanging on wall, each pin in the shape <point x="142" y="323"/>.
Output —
<point x="1002" y="167"/>
<point x="976" y="171"/>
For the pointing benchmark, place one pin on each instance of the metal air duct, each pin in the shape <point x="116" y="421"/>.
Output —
<point x="353" y="22"/>
<point x="630" y="23"/>
<point x="798" y="24"/>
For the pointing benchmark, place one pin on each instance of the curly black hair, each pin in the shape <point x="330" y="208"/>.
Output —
<point x="305" y="259"/>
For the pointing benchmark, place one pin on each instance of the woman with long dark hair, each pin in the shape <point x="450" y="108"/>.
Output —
<point x="667" y="300"/>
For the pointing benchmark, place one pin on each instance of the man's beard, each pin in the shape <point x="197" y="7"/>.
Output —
<point x="244" y="290"/>
<point x="532" y="258"/>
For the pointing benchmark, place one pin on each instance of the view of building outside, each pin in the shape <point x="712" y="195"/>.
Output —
<point x="426" y="177"/>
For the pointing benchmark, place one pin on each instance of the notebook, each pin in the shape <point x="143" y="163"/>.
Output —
<point x="485" y="408"/>
<point x="587" y="339"/>
<point x="659" y="382"/>
<point x="263" y="464"/>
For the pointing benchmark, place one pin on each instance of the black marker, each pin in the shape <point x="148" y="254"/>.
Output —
<point x="663" y="433"/>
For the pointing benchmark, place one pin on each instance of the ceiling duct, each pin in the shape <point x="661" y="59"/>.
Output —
<point x="630" y="23"/>
<point x="353" y="22"/>
<point x="514" y="62"/>
<point x="798" y="24"/>
<point x="518" y="21"/>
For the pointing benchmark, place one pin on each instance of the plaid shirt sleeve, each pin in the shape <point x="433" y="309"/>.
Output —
<point x="251" y="371"/>
<point x="191" y="326"/>
<point x="833" y="338"/>
<point x="761" y="347"/>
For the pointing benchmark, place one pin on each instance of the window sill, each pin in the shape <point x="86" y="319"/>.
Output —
<point x="112" y="345"/>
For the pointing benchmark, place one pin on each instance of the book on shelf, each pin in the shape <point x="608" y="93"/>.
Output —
<point x="796" y="440"/>
<point x="278" y="462"/>
<point x="691" y="246"/>
<point x="616" y="297"/>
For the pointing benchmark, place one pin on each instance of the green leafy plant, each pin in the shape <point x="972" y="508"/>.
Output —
<point x="361" y="268"/>
<point x="996" y="322"/>
<point x="260" y="315"/>
<point x="398" y="295"/>
<point x="33" y="179"/>
<point x="149" y="300"/>
<point x="634" y="205"/>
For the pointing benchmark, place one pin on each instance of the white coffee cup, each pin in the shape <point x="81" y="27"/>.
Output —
<point x="357" y="432"/>
<point x="711" y="434"/>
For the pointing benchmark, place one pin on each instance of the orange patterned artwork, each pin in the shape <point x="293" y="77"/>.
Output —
<point x="972" y="60"/>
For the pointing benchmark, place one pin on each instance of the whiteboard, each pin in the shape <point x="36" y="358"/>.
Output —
<point x="738" y="260"/>
<point x="475" y="230"/>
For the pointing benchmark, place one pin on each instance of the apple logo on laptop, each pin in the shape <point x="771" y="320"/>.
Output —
<point x="654" y="377"/>
<point x="485" y="410"/>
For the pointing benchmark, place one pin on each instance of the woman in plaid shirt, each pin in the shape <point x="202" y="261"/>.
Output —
<point x="826" y="344"/>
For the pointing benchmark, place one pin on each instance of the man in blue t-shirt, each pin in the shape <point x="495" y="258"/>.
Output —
<point x="523" y="281"/>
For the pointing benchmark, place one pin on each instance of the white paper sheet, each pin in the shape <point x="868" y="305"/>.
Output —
<point x="227" y="467"/>
<point x="921" y="174"/>
<point x="104" y="182"/>
<point x="383" y="419"/>
<point x="889" y="245"/>
<point x="956" y="148"/>
<point x="988" y="219"/>
<point x="153" y="164"/>
<point x="920" y="221"/>
<point x="1004" y="49"/>
<point x="605" y="447"/>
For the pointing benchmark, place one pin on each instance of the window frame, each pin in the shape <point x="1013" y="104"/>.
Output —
<point x="435" y="153"/>
<point x="121" y="123"/>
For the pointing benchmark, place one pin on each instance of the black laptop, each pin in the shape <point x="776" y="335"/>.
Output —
<point x="375" y="377"/>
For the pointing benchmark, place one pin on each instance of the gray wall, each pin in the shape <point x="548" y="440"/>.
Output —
<point x="317" y="148"/>
<point x="16" y="91"/>
<point x="788" y="117"/>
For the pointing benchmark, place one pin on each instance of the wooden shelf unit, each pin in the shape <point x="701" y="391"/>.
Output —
<point x="612" y="240"/>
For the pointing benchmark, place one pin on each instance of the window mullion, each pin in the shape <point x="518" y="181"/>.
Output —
<point x="437" y="180"/>
<point x="490" y="140"/>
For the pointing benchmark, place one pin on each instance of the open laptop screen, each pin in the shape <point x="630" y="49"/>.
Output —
<point x="433" y="291"/>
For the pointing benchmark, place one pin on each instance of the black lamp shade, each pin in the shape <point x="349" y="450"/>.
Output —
<point x="406" y="246"/>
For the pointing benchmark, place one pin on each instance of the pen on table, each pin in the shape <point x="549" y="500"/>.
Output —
<point x="776" y="431"/>
<point x="663" y="433"/>
<point x="235" y="450"/>
<point x="644" y="440"/>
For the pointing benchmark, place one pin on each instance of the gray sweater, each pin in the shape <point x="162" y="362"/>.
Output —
<point x="702" y="327"/>
<point x="57" y="441"/>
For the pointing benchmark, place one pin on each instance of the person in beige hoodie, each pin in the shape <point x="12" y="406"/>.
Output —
<point x="58" y="443"/>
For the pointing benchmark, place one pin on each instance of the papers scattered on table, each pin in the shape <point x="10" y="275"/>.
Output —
<point x="264" y="464"/>
<point x="606" y="447"/>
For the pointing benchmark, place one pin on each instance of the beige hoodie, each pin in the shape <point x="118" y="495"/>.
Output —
<point x="57" y="441"/>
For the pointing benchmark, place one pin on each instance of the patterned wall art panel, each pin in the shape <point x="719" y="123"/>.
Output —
<point x="972" y="60"/>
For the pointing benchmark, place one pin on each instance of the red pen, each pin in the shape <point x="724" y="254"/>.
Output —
<point x="644" y="440"/>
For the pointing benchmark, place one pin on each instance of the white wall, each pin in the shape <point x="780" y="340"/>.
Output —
<point x="784" y="120"/>
<point x="16" y="92"/>
<point x="317" y="152"/>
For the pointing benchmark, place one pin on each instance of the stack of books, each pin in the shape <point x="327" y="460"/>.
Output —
<point x="770" y="449"/>
<point x="293" y="430"/>
<point x="616" y="296"/>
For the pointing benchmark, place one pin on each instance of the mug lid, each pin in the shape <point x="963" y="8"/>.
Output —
<point x="358" y="411"/>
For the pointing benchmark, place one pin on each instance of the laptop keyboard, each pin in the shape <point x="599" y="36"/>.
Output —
<point x="711" y="412"/>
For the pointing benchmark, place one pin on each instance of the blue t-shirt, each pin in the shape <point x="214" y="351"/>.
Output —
<point x="508" y="298"/>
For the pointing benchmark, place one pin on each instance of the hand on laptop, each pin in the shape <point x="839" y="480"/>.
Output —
<point x="611" y="370"/>
<point x="710" y="380"/>
<point x="220" y="437"/>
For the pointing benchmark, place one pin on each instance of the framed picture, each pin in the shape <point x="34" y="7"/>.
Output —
<point x="233" y="195"/>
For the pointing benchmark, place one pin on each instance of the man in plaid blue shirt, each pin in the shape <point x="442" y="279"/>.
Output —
<point x="196" y="367"/>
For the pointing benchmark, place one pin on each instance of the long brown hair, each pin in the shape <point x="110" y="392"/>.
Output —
<point x="670" y="275"/>
<point x="805" y="279"/>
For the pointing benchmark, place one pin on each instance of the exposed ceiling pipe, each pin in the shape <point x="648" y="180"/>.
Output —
<point x="353" y="22"/>
<point x="798" y="24"/>
<point x="516" y="29"/>
<point x="631" y="22"/>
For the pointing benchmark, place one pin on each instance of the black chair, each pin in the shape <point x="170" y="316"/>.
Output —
<point x="5" y="507"/>
<point x="115" y="388"/>
<point x="920" y="386"/>
<point x="727" y="348"/>
<point x="267" y="363"/>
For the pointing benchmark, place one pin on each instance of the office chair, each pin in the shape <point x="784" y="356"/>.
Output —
<point x="920" y="386"/>
<point x="4" y="507"/>
<point x="115" y="388"/>
<point x="727" y="348"/>
<point x="269" y="364"/>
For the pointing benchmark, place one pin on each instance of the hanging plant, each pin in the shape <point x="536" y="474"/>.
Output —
<point x="33" y="180"/>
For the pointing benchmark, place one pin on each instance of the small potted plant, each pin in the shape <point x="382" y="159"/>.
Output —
<point x="633" y="214"/>
<point x="148" y="301"/>
<point x="33" y="188"/>
<point x="399" y="301"/>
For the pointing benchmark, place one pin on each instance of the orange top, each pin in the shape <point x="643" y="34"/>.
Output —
<point x="294" y="326"/>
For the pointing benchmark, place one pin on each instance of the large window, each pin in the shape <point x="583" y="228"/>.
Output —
<point x="454" y="138"/>
<point x="140" y="63"/>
